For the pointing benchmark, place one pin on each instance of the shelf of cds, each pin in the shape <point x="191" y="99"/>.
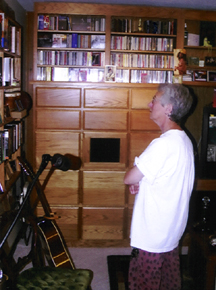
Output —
<point x="71" y="48"/>
<point x="74" y="48"/>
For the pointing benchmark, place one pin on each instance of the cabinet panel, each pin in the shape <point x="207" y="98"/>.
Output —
<point x="62" y="187"/>
<point x="141" y="97"/>
<point x="108" y="98"/>
<point x="138" y="143"/>
<point x="140" y="121"/>
<point x="68" y="222"/>
<point x="58" y="97"/>
<point x="103" y="188"/>
<point x="103" y="223"/>
<point x="105" y="120"/>
<point x="57" y="119"/>
<point x="56" y="142"/>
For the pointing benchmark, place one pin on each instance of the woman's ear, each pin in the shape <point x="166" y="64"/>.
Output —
<point x="168" y="109"/>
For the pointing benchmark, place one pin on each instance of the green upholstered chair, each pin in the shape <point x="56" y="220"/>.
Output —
<point x="51" y="278"/>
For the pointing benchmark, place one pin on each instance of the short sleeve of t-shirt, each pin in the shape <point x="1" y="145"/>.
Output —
<point x="152" y="159"/>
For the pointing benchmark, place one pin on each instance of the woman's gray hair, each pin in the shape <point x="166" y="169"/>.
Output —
<point x="179" y="97"/>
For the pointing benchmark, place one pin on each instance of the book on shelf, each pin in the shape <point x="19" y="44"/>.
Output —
<point x="1" y="77"/>
<point x="13" y="39"/>
<point x="62" y="22"/>
<point x="60" y="74"/>
<point x="122" y="75"/>
<point x="19" y="114"/>
<point x="40" y="22"/>
<point x="98" y="41"/>
<point x="2" y="16"/>
<point x="44" y="39"/>
<point x="59" y="40"/>
<point x="81" y="23"/>
<point x="6" y="34"/>
<point x="96" y="59"/>
<point x="6" y="71"/>
<point x="83" y="75"/>
<point x="74" y="40"/>
<point x="73" y="74"/>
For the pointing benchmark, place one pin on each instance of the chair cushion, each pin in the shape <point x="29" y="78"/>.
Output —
<point x="51" y="278"/>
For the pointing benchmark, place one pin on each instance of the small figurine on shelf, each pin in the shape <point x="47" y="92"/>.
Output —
<point x="206" y="43"/>
<point x="182" y="62"/>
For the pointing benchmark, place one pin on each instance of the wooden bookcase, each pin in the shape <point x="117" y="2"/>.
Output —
<point x="10" y="88"/>
<point x="75" y="117"/>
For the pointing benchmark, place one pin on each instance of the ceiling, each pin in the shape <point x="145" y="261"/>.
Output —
<point x="28" y="5"/>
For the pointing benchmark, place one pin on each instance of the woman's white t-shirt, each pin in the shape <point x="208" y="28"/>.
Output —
<point x="161" y="206"/>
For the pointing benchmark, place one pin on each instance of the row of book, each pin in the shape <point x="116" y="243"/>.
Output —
<point x="10" y="139"/>
<point x="81" y="58"/>
<point x="73" y="40"/>
<point x="142" y="60"/>
<point x="75" y="23"/>
<point x="70" y="74"/>
<point x="9" y="35"/>
<point x="130" y="25"/>
<point x="154" y="77"/>
<point x="142" y="43"/>
<point x="10" y="69"/>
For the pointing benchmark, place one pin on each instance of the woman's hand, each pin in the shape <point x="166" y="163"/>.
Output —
<point x="134" y="188"/>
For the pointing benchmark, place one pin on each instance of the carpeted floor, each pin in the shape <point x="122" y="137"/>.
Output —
<point x="118" y="271"/>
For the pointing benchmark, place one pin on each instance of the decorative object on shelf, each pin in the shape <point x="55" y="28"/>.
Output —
<point x="110" y="73"/>
<point x="211" y="76"/>
<point x="193" y="39"/>
<point x="193" y="60"/>
<point x="207" y="33"/>
<point x="200" y="75"/>
<point x="177" y="79"/>
<point x="181" y="66"/>
<point x="210" y="61"/>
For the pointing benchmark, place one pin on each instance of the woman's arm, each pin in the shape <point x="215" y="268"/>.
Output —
<point x="133" y="176"/>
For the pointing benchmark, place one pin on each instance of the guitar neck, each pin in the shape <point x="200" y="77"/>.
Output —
<point x="40" y="192"/>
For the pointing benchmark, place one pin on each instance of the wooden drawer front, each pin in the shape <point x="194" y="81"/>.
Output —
<point x="58" y="97"/>
<point x="56" y="142"/>
<point x="103" y="223"/>
<point x="109" y="98"/>
<point x="62" y="187"/>
<point x="58" y="119"/>
<point x="140" y="121"/>
<point x="139" y="142"/>
<point x="103" y="188"/>
<point x="105" y="120"/>
<point x="141" y="97"/>
<point x="68" y="222"/>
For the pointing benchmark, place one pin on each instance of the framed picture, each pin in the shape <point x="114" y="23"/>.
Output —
<point x="210" y="61"/>
<point x="110" y="73"/>
<point x="211" y="76"/>
<point x="193" y="60"/>
<point x="200" y="76"/>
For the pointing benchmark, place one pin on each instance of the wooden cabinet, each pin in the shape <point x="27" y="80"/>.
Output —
<point x="105" y="123"/>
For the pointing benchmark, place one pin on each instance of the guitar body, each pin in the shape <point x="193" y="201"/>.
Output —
<point x="52" y="244"/>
